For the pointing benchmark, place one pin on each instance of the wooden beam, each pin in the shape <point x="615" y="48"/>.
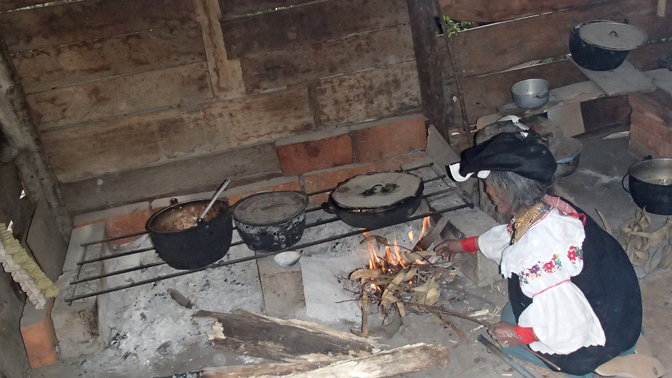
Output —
<point x="20" y="132"/>
<point x="423" y="26"/>
<point x="493" y="11"/>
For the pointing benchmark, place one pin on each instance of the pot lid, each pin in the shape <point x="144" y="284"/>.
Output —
<point x="612" y="35"/>
<point x="376" y="190"/>
<point x="270" y="208"/>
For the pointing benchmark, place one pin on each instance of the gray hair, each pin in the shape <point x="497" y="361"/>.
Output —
<point x="521" y="192"/>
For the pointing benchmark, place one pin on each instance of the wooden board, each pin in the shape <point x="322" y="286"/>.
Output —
<point x="493" y="11"/>
<point x="315" y="22"/>
<point x="41" y="70"/>
<point x="605" y="112"/>
<point x="121" y="95"/>
<point x="118" y="144"/>
<point x="500" y="46"/>
<point x="484" y="94"/>
<point x="622" y="80"/>
<point x="75" y="22"/>
<point x="315" y="60"/>
<point x="646" y="57"/>
<point x="237" y="8"/>
<point x="365" y="95"/>
<point x="189" y="176"/>
<point x="6" y="5"/>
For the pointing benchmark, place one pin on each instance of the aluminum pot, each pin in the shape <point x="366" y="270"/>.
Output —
<point x="184" y="243"/>
<point x="530" y="93"/>
<point x="271" y="221"/>
<point x="650" y="185"/>
<point x="371" y="216"/>
<point x="602" y="45"/>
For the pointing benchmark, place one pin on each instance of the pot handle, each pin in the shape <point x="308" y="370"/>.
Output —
<point x="328" y="208"/>
<point x="623" y="182"/>
<point x="173" y="201"/>
<point x="541" y="95"/>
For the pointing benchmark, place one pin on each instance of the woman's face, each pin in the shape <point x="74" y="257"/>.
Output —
<point x="502" y="204"/>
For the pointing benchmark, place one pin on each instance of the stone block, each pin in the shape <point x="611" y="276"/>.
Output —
<point x="282" y="288"/>
<point x="127" y="224"/>
<point x="76" y="326"/>
<point x="312" y="155"/>
<point x="478" y="268"/>
<point x="81" y="235"/>
<point x="38" y="335"/>
<point x="656" y="145"/>
<point x="658" y="104"/>
<point x="652" y="124"/>
<point x="399" y="136"/>
<point x="329" y="178"/>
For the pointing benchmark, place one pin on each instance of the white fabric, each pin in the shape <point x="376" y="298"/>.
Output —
<point x="455" y="172"/>
<point x="545" y="258"/>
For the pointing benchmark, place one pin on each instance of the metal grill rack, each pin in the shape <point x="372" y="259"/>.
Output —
<point x="445" y="188"/>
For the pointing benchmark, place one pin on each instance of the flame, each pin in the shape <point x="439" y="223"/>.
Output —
<point x="374" y="260"/>
<point x="410" y="236"/>
<point x="425" y="226"/>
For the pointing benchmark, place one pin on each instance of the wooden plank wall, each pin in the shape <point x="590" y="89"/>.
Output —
<point x="529" y="30"/>
<point x="126" y="92"/>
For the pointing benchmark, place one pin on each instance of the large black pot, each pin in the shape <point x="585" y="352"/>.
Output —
<point x="372" y="217"/>
<point x="650" y="185"/>
<point x="599" y="53"/>
<point x="185" y="246"/>
<point x="271" y="221"/>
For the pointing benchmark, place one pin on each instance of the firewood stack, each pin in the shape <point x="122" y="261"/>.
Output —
<point x="651" y="124"/>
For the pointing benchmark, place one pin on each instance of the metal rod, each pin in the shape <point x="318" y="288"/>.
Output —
<point x="117" y="272"/>
<point x="101" y="258"/>
<point x="224" y="263"/>
<point x="113" y="239"/>
<point x="504" y="357"/>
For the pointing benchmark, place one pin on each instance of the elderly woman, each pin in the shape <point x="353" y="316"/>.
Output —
<point x="573" y="295"/>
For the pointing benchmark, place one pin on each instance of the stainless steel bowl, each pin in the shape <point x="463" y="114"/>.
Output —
<point x="530" y="93"/>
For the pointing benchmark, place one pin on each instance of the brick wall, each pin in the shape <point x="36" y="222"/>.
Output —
<point x="651" y="124"/>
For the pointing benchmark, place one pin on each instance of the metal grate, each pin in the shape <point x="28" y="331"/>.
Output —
<point x="446" y="188"/>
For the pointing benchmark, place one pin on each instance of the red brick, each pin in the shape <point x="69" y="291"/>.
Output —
<point x="658" y="104"/>
<point x="125" y="225"/>
<point x="393" y="139"/>
<point x="658" y="147"/>
<point x="315" y="154"/>
<point x="329" y="178"/>
<point x="652" y="124"/>
<point x="292" y="185"/>
<point x="395" y="163"/>
<point x="38" y="335"/>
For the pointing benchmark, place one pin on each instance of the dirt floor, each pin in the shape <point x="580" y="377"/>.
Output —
<point x="595" y="185"/>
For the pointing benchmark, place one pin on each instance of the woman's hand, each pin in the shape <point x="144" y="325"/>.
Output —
<point x="505" y="333"/>
<point x="449" y="249"/>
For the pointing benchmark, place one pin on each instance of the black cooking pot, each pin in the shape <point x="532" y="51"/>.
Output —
<point x="184" y="243"/>
<point x="650" y="185"/>
<point x="602" y="45"/>
<point x="271" y="221"/>
<point x="371" y="216"/>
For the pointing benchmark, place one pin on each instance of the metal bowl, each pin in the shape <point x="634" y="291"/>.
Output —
<point x="530" y="93"/>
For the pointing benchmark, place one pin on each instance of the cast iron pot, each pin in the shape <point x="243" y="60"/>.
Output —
<point x="650" y="185"/>
<point x="265" y="237"/>
<point x="184" y="243"/>
<point x="593" y="57"/>
<point x="376" y="217"/>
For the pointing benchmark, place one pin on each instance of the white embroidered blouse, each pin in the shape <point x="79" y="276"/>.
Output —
<point x="545" y="258"/>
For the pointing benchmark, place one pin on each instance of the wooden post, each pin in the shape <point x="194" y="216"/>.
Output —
<point x="17" y="125"/>
<point x="423" y="26"/>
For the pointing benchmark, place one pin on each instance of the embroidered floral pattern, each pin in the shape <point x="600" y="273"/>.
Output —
<point x="575" y="254"/>
<point x="536" y="270"/>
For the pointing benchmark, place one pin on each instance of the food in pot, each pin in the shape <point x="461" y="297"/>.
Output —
<point x="183" y="217"/>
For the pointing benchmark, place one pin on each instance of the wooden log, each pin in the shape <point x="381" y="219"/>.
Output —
<point x="423" y="25"/>
<point x="121" y="95"/>
<point x="485" y="93"/>
<point x="131" y="142"/>
<point x="188" y="176"/>
<point x="500" y="46"/>
<point x="21" y="134"/>
<point x="41" y="70"/>
<point x="318" y="21"/>
<point x="74" y="22"/>
<point x="238" y="8"/>
<point x="226" y="77"/>
<point x="6" y="5"/>
<point x="314" y="60"/>
<point x="262" y="336"/>
<point x="365" y="95"/>
<point x="395" y="362"/>
<point x="493" y="11"/>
